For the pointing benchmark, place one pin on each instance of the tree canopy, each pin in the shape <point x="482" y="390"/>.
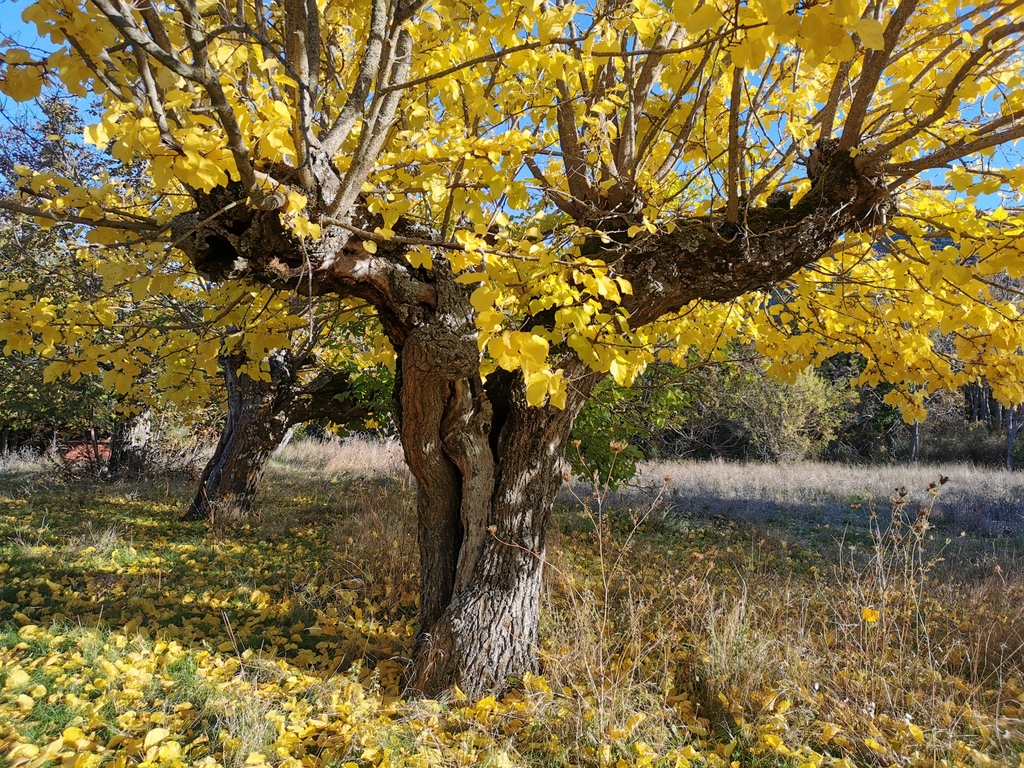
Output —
<point x="568" y="160"/>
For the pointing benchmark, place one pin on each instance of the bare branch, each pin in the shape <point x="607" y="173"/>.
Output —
<point x="127" y="27"/>
<point x="356" y="102"/>
<point x="658" y="126"/>
<point x="201" y="74"/>
<point x="875" y="63"/>
<point x="565" y="204"/>
<point x="372" y="138"/>
<point x="827" y="116"/>
<point x="735" y="152"/>
<point x="626" y="154"/>
<point x="155" y="100"/>
<point x="298" y="55"/>
<point x="101" y="75"/>
<point x="949" y="94"/>
<point x="956" y="150"/>
<point x="493" y="56"/>
<point x="141" y="227"/>
<point x="154" y="25"/>
<point x="679" y="144"/>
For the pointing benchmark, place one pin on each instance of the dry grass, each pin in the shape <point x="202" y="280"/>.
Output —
<point x="23" y="462"/>
<point x="731" y="629"/>
<point x="975" y="499"/>
<point x="352" y="456"/>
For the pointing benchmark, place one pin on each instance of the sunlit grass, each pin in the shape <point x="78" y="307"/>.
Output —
<point x="129" y="638"/>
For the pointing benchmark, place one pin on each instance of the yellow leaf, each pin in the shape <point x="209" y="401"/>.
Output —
<point x="420" y="257"/>
<point x="557" y="390"/>
<point x="870" y="615"/>
<point x="16" y="678"/>
<point x="681" y="10"/>
<point x="22" y="83"/>
<point x="870" y="33"/>
<point x="634" y="721"/>
<point x="23" y="751"/>
<point x="169" y="751"/>
<point x="703" y="19"/>
<point x="155" y="736"/>
<point x="534" y="348"/>
<point x="17" y="56"/>
<point x="431" y="19"/>
<point x="537" y="387"/>
<point x="482" y="298"/>
<point x="916" y="733"/>
<point x="369" y="246"/>
<point x="828" y="731"/>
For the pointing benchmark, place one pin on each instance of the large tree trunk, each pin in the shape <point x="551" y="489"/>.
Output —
<point x="488" y="468"/>
<point x="487" y="635"/>
<point x="486" y="464"/>
<point x="260" y="414"/>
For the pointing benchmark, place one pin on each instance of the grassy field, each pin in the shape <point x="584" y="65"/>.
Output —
<point x="715" y="614"/>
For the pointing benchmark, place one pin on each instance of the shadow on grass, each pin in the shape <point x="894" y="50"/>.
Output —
<point x="302" y="588"/>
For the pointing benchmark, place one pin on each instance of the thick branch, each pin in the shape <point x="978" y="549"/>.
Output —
<point x="356" y="101"/>
<point x="956" y="150"/>
<point x="874" y="64"/>
<point x="302" y="58"/>
<point x="707" y="258"/>
<point x="568" y="135"/>
<point x="735" y="154"/>
<point x="827" y="116"/>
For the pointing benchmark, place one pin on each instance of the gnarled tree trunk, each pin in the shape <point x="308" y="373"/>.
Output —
<point x="259" y="415"/>
<point x="507" y="457"/>
<point x="487" y="466"/>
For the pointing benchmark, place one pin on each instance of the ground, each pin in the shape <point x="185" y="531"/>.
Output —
<point x="716" y="615"/>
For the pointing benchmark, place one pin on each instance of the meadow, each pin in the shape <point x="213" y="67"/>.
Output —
<point x="710" y="614"/>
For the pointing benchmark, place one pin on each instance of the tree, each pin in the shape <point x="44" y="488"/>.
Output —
<point x="532" y="197"/>
<point x="260" y="413"/>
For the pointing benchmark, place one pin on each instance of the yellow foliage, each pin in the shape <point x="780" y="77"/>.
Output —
<point x="475" y="151"/>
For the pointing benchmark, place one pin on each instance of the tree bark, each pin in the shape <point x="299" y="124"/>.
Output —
<point x="915" y="442"/>
<point x="259" y="416"/>
<point x="129" y="443"/>
<point x="1014" y="420"/>
<point x="252" y="431"/>
<point x="488" y="469"/>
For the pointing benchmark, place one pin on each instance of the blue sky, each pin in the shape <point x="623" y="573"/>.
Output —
<point x="12" y="26"/>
